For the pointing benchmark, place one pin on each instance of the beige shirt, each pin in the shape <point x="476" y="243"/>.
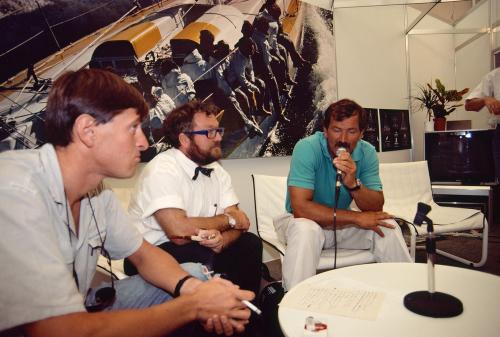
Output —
<point x="36" y="252"/>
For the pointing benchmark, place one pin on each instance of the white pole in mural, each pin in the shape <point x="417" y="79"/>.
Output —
<point x="325" y="4"/>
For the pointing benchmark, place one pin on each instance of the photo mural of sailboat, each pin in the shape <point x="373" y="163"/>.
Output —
<point x="138" y="45"/>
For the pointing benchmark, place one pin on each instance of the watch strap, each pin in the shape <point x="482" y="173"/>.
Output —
<point x="355" y="188"/>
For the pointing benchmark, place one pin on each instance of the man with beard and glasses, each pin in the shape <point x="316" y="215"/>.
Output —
<point x="56" y="220"/>
<point x="185" y="204"/>
<point x="307" y="227"/>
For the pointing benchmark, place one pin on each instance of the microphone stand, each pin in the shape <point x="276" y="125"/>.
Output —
<point x="431" y="303"/>
<point x="430" y="247"/>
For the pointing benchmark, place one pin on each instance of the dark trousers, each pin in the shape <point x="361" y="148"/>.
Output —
<point x="240" y="262"/>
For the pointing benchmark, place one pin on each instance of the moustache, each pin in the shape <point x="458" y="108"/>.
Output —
<point x="342" y="144"/>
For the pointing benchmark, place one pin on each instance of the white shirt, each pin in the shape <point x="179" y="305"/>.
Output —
<point x="36" y="253"/>
<point x="166" y="182"/>
<point x="489" y="86"/>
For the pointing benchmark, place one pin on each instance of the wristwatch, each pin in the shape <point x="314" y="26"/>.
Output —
<point x="230" y="220"/>
<point x="355" y="188"/>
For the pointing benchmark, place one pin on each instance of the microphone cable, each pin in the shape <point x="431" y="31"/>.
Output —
<point x="338" y="177"/>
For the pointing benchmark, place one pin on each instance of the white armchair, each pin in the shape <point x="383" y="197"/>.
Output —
<point x="406" y="184"/>
<point x="269" y="197"/>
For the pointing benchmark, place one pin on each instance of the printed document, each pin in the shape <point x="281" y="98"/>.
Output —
<point x="329" y="299"/>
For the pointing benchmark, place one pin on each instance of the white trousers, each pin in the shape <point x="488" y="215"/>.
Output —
<point x="305" y="240"/>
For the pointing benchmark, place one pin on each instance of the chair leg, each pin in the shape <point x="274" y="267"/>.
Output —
<point x="413" y="246"/>
<point x="484" y="251"/>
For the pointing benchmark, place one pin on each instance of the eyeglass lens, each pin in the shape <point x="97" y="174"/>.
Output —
<point x="213" y="132"/>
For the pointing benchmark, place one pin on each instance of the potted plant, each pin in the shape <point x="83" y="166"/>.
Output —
<point x="438" y="102"/>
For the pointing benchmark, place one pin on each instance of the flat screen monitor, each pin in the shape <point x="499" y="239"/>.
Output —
<point x="462" y="157"/>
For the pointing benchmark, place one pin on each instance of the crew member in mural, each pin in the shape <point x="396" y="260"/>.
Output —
<point x="160" y="106"/>
<point x="283" y="39"/>
<point x="184" y="192"/>
<point x="199" y="70"/>
<point x="224" y="95"/>
<point x="146" y="81"/>
<point x="240" y="76"/>
<point x="176" y="84"/>
<point x="262" y="62"/>
<point x="207" y="40"/>
<point x="487" y="94"/>
<point x="56" y="220"/>
<point x="307" y="227"/>
<point x="279" y="61"/>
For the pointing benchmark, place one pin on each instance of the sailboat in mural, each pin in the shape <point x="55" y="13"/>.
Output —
<point x="167" y="29"/>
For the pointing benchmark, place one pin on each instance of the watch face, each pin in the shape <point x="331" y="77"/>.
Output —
<point x="356" y="187"/>
<point x="231" y="220"/>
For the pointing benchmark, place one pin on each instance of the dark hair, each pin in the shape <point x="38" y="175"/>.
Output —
<point x="96" y="92"/>
<point x="261" y="24"/>
<point x="181" y="119"/>
<point x="167" y="65"/>
<point x="274" y="10"/>
<point x="343" y="109"/>
<point x="246" y="29"/>
<point x="247" y="46"/>
<point x="206" y="36"/>
<point x="221" y="50"/>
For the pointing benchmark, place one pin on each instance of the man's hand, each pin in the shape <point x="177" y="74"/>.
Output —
<point x="220" y="308"/>
<point x="493" y="105"/>
<point x="242" y="222"/>
<point x="372" y="221"/>
<point x="222" y="324"/>
<point x="347" y="166"/>
<point x="212" y="239"/>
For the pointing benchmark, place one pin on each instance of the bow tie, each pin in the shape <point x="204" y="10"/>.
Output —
<point x="203" y="170"/>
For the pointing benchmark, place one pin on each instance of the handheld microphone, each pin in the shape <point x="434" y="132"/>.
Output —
<point x="339" y="151"/>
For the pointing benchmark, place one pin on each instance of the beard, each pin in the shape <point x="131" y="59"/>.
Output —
<point x="204" y="157"/>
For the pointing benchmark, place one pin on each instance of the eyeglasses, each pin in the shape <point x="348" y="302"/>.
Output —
<point x="210" y="133"/>
<point x="106" y="296"/>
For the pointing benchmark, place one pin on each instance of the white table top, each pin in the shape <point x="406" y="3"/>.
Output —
<point x="478" y="291"/>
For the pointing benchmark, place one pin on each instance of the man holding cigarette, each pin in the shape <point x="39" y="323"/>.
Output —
<point x="185" y="204"/>
<point x="56" y="219"/>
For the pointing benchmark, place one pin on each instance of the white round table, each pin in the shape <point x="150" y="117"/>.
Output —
<point x="478" y="291"/>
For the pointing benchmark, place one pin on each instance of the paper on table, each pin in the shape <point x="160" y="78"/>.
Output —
<point x="353" y="303"/>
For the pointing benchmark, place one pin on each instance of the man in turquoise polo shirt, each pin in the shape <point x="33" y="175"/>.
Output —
<point x="307" y="228"/>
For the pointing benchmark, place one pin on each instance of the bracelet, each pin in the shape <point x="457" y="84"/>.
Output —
<point x="177" y="290"/>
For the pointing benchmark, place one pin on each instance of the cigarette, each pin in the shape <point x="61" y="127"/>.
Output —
<point x="252" y="307"/>
<point x="245" y="302"/>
